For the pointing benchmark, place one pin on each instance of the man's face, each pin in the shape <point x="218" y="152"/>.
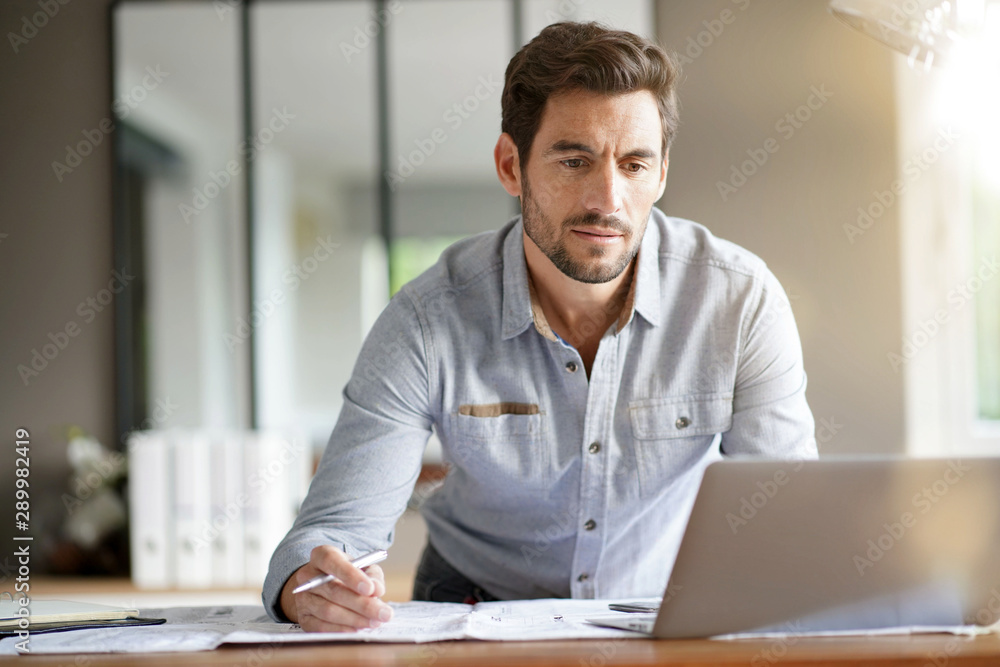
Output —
<point x="594" y="173"/>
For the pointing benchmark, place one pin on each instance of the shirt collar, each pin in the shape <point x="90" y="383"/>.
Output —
<point x="645" y="295"/>
<point x="520" y="306"/>
<point x="516" y="298"/>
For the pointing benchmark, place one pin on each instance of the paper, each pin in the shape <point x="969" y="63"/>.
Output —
<point x="205" y="628"/>
<point x="523" y="620"/>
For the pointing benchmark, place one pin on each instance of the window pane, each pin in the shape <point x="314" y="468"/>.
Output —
<point x="320" y="268"/>
<point x="176" y="103"/>
<point x="446" y="65"/>
<point x="987" y="249"/>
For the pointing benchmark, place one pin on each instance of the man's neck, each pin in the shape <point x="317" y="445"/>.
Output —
<point x="578" y="312"/>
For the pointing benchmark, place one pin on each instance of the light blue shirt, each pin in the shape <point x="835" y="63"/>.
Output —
<point x="560" y="485"/>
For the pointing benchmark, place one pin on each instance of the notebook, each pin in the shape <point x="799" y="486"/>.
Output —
<point x="56" y="615"/>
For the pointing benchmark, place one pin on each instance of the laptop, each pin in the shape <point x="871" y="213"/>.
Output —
<point x="837" y="544"/>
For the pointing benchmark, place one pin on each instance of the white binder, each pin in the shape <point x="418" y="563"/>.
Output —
<point x="150" y="494"/>
<point x="228" y="507"/>
<point x="192" y="508"/>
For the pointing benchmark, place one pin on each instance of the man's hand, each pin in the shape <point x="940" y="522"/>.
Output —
<point x="345" y="605"/>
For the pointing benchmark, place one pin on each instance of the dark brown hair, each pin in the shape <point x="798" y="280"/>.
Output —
<point x="584" y="56"/>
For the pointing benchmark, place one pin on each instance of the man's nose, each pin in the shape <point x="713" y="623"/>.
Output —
<point x="604" y="191"/>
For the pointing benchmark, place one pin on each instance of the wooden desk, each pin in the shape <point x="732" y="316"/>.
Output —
<point x="918" y="651"/>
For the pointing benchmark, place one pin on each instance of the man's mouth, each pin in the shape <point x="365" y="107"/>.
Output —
<point x="598" y="235"/>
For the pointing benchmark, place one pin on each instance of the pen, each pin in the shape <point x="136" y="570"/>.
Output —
<point x="360" y="562"/>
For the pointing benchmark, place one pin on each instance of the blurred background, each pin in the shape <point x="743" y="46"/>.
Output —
<point x="275" y="172"/>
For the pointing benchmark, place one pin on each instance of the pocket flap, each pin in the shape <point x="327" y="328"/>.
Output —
<point x="499" y="427"/>
<point x="681" y="416"/>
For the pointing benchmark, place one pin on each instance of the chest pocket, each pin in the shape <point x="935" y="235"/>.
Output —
<point x="672" y="433"/>
<point x="502" y="446"/>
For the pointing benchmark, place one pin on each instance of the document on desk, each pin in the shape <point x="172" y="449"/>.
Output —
<point x="418" y="622"/>
<point x="205" y="628"/>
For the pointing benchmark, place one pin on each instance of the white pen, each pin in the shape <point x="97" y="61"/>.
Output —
<point x="360" y="562"/>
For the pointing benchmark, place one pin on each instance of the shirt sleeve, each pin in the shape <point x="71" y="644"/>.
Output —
<point x="373" y="458"/>
<point x="770" y="414"/>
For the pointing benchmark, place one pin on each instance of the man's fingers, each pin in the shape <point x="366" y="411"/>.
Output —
<point x="367" y="606"/>
<point x="329" y="560"/>
<point x="378" y="576"/>
<point x="341" y="622"/>
<point x="349" y="603"/>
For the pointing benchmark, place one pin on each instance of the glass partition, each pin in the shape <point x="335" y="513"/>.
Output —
<point x="181" y="218"/>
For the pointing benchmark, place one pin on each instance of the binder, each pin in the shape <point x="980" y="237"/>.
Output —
<point x="228" y="507"/>
<point x="150" y="494"/>
<point x="209" y="508"/>
<point x="192" y="507"/>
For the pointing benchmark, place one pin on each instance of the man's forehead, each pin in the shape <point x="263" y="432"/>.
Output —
<point x="579" y="119"/>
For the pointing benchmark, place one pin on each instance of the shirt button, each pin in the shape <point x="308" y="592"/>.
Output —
<point x="682" y="422"/>
<point x="571" y="367"/>
<point x="594" y="447"/>
<point x="590" y="525"/>
<point x="583" y="577"/>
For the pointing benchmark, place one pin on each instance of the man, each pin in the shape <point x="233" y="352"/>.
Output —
<point x="581" y="366"/>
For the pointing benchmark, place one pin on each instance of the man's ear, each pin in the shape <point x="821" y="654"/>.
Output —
<point x="663" y="175"/>
<point x="508" y="165"/>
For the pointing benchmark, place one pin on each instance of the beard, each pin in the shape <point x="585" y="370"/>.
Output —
<point x="601" y="265"/>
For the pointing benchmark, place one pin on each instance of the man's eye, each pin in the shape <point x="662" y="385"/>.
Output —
<point x="635" y="167"/>
<point x="573" y="163"/>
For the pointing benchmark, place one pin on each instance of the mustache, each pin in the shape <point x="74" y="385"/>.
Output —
<point x="592" y="219"/>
